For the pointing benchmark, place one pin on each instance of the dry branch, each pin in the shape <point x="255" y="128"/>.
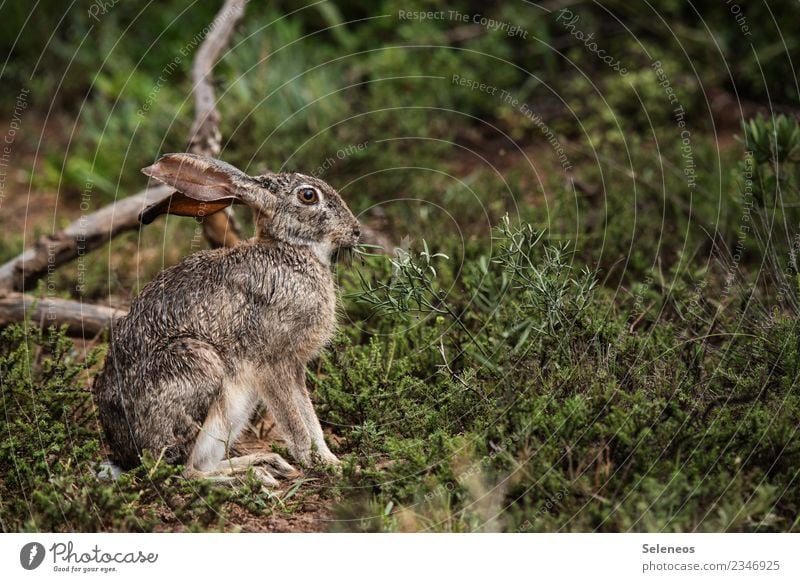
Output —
<point x="81" y="319"/>
<point x="83" y="235"/>
<point x="220" y="229"/>
<point x="94" y="230"/>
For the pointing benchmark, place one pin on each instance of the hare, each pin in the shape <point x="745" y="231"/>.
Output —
<point x="212" y="337"/>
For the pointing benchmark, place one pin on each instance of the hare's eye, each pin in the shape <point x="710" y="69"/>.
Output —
<point x="308" y="195"/>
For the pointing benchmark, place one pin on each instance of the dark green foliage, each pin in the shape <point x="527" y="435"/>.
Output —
<point x="666" y="427"/>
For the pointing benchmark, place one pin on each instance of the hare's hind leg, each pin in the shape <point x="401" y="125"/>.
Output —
<point x="266" y="467"/>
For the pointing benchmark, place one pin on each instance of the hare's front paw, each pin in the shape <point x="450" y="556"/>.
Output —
<point x="311" y="458"/>
<point x="328" y="458"/>
<point x="327" y="461"/>
<point x="304" y="457"/>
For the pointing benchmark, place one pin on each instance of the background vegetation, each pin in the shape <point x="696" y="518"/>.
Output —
<point x="613" y="347"/>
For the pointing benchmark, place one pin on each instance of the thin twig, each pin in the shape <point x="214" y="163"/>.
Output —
<point x="639" y="319"/>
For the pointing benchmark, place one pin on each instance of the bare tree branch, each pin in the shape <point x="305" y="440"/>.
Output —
<point x="94" y="230"/>
<point x="220" y="229"/>
<point x="205" y="138"/>
<point x="83" y="235"/>
<point x="81" y="319"/>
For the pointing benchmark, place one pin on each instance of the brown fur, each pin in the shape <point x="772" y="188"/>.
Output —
<point x="223" y="325"/>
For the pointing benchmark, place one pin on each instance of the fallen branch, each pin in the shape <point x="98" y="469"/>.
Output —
<point x="205" y="138"/>
<point x="83" y="235"/>
<point x="81" y="319"/>
<point x="94" y="230"/>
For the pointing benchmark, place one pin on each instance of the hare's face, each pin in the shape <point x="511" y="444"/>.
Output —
<point x="309" y="212"/>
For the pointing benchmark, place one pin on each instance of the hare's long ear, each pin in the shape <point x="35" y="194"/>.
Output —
<point x="181" y="205"/>
<point x="204" y="186"/>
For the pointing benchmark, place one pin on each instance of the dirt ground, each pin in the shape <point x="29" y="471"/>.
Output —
<point x="313" y="514"/>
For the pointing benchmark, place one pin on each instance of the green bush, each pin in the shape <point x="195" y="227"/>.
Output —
<point x="582" y="424"/>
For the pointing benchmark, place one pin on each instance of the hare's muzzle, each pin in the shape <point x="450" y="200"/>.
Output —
<point x="351" y="238"/>
<point x="344" y="253"/>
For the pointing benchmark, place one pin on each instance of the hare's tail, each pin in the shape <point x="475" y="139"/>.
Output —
<point x="108" y="471"/>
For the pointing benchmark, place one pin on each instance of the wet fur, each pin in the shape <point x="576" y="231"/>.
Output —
<point x="210" y="338"/>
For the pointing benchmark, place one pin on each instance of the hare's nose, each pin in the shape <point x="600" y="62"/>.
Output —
<point x="357" y="232"/>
